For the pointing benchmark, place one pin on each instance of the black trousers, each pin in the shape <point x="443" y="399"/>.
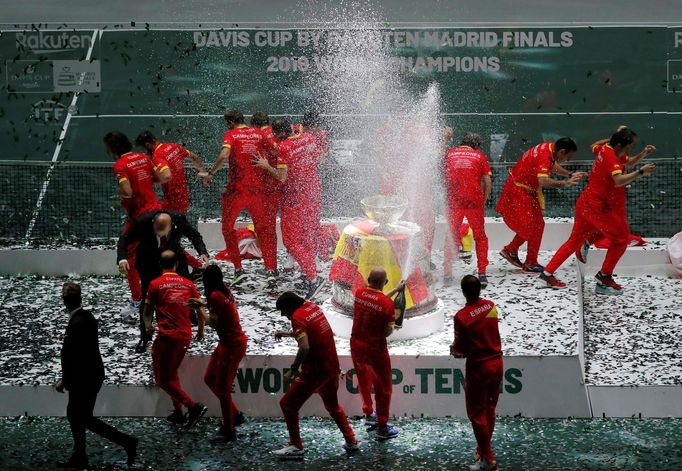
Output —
<point x="79" y="412"/>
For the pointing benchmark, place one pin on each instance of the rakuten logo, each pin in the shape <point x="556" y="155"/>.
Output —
<point x="46" y="42"/>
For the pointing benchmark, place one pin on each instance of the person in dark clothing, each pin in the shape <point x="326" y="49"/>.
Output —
<point x="82" y="376"/>
<point x="155" y="232"/>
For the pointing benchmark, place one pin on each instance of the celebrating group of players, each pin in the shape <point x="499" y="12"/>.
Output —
<point x="273" y="169"/>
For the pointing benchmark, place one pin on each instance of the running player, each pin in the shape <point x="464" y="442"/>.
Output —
<point x="246" y="189"/>
<point x="231" y="348"/>
<point x="319" y="371"/>
<point x="297" y="160"/>
<point x="373" y="319"/>
<point x="175" y="193"/>
<point x="135" y="175"/>
<point x="600" y="209"/>
<point x="169" y="297"/>
<point x="477" y="338"/>
<point x="465" y="167"/>
<point x="521" y="203"/>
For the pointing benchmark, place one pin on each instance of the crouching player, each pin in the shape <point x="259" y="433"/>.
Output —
<point x="477" y="339"/>
<point x="319" y="371"/>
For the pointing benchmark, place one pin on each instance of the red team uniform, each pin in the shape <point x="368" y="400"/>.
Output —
<point x="477" y="338"/>
<point x="246" y="187"/>
<point x="168" y="294"/>
<point x="302" y="200"/>
<point x="274" y="188"/>
<point x="600" y="210"/>
<point x="138" y="170"/>
<point x="231" y="348"/>
<point x="175" y="193"/>
<point x="464" y="169"/>
<point x="373" y="311"/>
<point x="319" y="373"/>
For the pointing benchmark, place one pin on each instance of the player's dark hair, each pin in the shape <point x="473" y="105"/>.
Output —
<point x="622" y="138"/>
<point x="471" y="288"/>
<point x="234" y="117"/>
<point x="566" y="144"/>
<point x="213" y="281"/>
<point x="71" y="294"/>
<point x="259" y="119"/>
<point x="168" y="260"/>
<point x="281" y="125"/>
<point x="145" y="137"/>
<point x="289" y="301"/>
<point x="117" y="142"/>
<point x="471" y="139"/>
<point x="311" y="119"/>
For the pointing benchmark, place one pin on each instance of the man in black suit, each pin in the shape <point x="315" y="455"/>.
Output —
<point x="157" y="231"/>
<point x="82" y="376"/>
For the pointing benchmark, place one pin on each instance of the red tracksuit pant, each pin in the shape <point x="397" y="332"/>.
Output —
<point x="475" y="215"/>
<point x="592" y="219"/>
<point x="481" y="391"/>
<point x="373" y="368"/>
<point x="219" y="376"/>
<point x="522" y="213"/>
<point x="264" y="221"/>
<point x="167" y="354"/>
<point x="304" y="386"/>
<point x="300" y="225"/>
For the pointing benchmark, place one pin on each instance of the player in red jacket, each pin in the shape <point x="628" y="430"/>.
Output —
<point x="135" y="175"/>
<point x="600" y="209"/>
<point x="319" y="371"/>
<point x="231" y="348"/>
<point x="169" y="296"/>
<point x="298" y="156"/>
<point x="521" y="203"/>
<point x="373" y="318"/>
<point x="465" y="167"/>
<point x="246" y="189"/>
<point x="477" y="338"/>
<point x="174" y="186"/>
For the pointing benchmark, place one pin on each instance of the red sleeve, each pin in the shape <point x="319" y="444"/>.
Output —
<point x="227" y="139"/>
<point x="544" y="162"/>
<point x="159" y="164"/>
<point x="614" y="164"/>
<point x="195" y="291"/>
<point x="183" y="152"/>
<point x="152" y="293"/>
<point x="121" y="172"/>
<point x="298" y="328"/>
<point x="597" y="149"/>
<point x="485" y="166"/>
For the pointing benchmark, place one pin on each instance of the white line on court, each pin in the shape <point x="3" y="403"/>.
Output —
<point x="365" y="115"/>
<point x="57" y="149"/>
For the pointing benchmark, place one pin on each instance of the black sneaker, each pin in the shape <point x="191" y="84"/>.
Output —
<point x="238" y="277"/>
<point x="239" y="419"/>
<point x="195" y="413"/>
<point x="227" y="434"/>
<point x="272" y="277"/>
<point x="512" y="258"/>
<point x="483" y="278"/>
<point x="177" y="418"/>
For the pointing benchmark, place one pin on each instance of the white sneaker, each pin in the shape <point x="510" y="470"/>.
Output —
<point x="131" y="311"/>
<point x="289" y="452"/>
<point x="483" y="465"/>
<point x="351" y="447"/>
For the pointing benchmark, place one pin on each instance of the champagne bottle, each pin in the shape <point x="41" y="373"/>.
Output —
<point x="400" y="303"/>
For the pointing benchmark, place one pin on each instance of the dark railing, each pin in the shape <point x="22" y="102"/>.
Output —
<point x="80" y="202"/>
